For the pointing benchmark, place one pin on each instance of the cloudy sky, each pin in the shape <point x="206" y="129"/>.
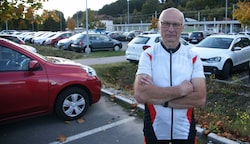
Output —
<point x="69" y="7"/>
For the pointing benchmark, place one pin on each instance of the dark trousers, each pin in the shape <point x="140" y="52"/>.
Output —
<point x="170" y="142"/>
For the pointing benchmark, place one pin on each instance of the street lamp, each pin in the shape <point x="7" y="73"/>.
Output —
<point x="226" y="18"/>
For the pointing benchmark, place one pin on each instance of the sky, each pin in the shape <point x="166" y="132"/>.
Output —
<point x="70" y="7"/>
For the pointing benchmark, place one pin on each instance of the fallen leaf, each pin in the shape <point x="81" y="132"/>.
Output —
<point x="112" y="97"/>
<point x="80" y="121"/>
<point x="67" y="122"/>
<point x="134" y="105"/>
<point x="219" y="124"/>
<point x="206" y="132"/>
<point x="61" y="138"/>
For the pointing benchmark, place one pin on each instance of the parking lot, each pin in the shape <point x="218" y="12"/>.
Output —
<point x="104" y="123"/>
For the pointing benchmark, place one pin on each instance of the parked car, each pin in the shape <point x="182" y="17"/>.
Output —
<point x="143" y="42"/>
<point x="185" y="36"/>
<point x="221" y="54"/>
<point x="132" y="34"/>
<point x="17" y="40"/>
<point x="41" y="39"/>
<point x="32" y="84"/>
<point x="197" y="36"/>
<point x="13" y="38"/>
<point x="52" y="41"/>
<point x="247" y="34"/>
<point x="97" y="42"/>
<point x="65" y="44"/>
<point x="120" y="36"/>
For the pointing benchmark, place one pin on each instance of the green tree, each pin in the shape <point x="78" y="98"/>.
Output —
<point x="54" y="21"/>
<point x="92" y="19"/>
<point x="14" y="12"/>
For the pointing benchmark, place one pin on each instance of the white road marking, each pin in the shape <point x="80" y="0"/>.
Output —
<point x="93" y="131"/>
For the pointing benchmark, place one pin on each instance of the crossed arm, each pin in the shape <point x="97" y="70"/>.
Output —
<point x="187" y="94"/>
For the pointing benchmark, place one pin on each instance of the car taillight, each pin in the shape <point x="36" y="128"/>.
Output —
<point x="80" y="43"/>
<point x="21" y="42"/>
<point x="146" y="47"/>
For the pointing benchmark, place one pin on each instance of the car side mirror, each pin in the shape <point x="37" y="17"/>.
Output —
<point x="34" y="65"/>
<point x="236" y="48"/>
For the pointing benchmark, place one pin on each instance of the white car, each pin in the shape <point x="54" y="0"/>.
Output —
<point x="41" y="39"/>
<point x="247" y="34"/>
<point x="221" y="54"/>
<point x="142" y="42"/>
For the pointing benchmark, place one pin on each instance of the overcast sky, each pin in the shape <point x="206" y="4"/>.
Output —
<point x="69" y="7"/>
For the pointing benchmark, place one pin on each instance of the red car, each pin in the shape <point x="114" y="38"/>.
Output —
<point x="32" y="84"/>
<point x="59" y="36"/>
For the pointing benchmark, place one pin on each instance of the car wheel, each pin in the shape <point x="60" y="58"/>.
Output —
<point x="72" y="104"/>
<point x="116" y="48"/>
<point x="55" y="44"/>
<point x="227" y="68"/>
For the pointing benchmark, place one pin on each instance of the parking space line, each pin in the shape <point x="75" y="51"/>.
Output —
<point x="93" y="131"/>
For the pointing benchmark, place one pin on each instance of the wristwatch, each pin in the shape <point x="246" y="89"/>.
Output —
<point x="166" y="104"/>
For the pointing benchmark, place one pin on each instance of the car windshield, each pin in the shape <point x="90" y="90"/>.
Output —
<point x="140" y="40"/>
<point x="77" y="36"/>
<point x="216" y="42"/>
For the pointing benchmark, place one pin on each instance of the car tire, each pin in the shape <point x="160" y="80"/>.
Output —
<point x="116" y="48"/>
<point x="55" y="44"/>
<point x="72" y="103"/>
<point x="226" y="71"/>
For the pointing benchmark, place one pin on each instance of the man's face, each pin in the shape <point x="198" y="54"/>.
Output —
<point x="171" y="26"/>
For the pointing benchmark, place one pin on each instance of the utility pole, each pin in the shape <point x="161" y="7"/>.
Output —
<point x="87" y="50"/>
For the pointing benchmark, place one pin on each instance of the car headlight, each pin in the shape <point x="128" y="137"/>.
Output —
<point x="90" y="71"/>
<point x="214" y="59"/>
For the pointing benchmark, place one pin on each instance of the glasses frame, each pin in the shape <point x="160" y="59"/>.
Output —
<point x="168" y="24"/>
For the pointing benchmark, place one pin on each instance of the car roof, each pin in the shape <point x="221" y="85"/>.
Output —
<point x="227" y="36"/>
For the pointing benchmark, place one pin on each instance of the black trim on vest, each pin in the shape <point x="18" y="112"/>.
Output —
<point x="173" y="50"/>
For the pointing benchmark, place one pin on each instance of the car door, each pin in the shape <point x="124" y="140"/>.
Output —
<point x="105" y="42"/>
<point x="23" y="92"/>
<point x="241" y="51"/>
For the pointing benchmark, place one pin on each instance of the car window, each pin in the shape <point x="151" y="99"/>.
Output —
<point x="216" y="42"/>
<point x="77" y="36"/>
<point x="245" y="42"/>
<point x="103" y="37"/>
<point x="11" y="60"/>
<point x="242" y="42"/>
<point x="140" y="40"/>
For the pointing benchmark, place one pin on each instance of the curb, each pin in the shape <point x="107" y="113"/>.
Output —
<point x="213" y="138"/>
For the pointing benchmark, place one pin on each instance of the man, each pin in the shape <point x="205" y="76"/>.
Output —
<point x="170" y="82"/>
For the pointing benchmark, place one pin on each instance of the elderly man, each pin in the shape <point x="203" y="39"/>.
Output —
<point x="170" y="82"/>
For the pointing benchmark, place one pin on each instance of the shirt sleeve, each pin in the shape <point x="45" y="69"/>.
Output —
<point x="197" y="67"/>
<point x="145" y="63"/>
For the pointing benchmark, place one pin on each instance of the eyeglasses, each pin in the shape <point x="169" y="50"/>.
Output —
<point x="174" y="25"/>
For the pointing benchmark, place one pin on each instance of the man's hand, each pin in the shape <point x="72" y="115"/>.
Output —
<point x="146" y="80"/>
<point x="186" y="88"/>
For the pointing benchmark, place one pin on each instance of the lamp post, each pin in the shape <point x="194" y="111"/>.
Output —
<point x="87" y="49"/>
<point x="226" y="18"/>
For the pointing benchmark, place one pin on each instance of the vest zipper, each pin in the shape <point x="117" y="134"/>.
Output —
<point x="171" y="83"/>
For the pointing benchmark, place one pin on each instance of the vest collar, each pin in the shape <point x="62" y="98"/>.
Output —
<point x="172" y="50"/>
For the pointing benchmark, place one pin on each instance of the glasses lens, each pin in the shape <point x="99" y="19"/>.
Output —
<point x="174" y="25"/>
